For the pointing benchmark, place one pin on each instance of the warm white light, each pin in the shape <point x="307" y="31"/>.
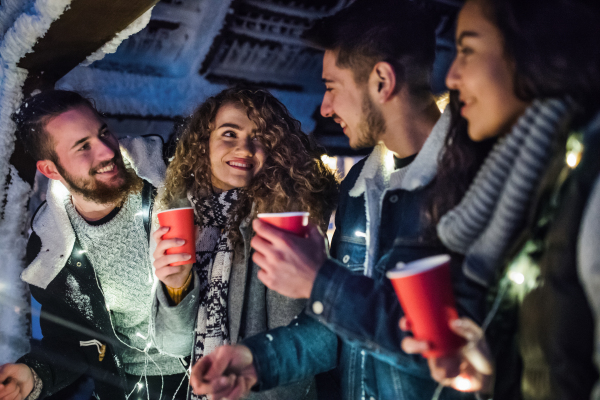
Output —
<point x="331" y="162"/>
<point x="140" y="385"/>
<point x="516" y="277"/>
<point x="463" y="383"/>
<point x="572" y="159"/>
<point x="360" y="234"/>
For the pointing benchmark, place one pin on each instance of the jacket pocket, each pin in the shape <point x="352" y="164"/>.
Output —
<point x="351" y="252"/>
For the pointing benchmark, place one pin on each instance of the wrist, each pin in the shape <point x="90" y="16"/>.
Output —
<point x="178" y="293"/>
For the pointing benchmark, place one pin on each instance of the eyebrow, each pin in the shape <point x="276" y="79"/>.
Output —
<point x="82" y="140"/>
<point x="234" y="126"/>
<point x="230" y="125"/>
<point x="465" y="34"/>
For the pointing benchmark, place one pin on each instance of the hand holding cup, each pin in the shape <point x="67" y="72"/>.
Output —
<point x="470" y="369"/>
<point x="175" y="246"/>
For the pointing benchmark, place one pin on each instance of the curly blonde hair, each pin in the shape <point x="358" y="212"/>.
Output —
<point x="293" y="177"/>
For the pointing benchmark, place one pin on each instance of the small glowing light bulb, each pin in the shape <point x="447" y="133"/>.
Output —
<point x="360" y="234"/>
<point x="463" y="383"/>
<point x="572" y="159"/>
<point x="516" y="277"/>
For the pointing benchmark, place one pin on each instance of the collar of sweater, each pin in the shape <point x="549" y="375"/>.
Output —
<point x="379" y="165"/>
<point x="52" y="223"/>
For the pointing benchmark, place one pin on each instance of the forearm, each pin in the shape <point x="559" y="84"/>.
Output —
<point x="173" y="325"/>
<point x="293" y="353"/>
<point x="54" y="367"/>
<point x="360" y="310"/>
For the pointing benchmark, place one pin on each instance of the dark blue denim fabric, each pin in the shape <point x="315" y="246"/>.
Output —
<point x="362" y="311"/>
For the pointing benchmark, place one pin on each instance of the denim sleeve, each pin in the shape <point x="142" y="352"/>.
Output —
<point x="288" y="354"/>
<point x="361" y="311"/>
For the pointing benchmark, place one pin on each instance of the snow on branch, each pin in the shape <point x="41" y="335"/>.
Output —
<point x="18" y="40"/>
<point x="112" y="45"/>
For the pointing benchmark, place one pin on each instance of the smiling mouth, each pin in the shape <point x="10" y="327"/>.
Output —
<point x="108" y="168"/>
<point x="244" y="166"/>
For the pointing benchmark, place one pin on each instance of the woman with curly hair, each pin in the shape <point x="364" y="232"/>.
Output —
<point x="240" y="154"/>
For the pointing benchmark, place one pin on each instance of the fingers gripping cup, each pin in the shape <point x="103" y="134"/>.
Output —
<point x="181" y="224"/>
<point x="424" y="289"/>
<point x="295" y="222"/>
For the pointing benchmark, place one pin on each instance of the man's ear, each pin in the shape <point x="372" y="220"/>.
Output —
<point x="48" y="169"/>
<point x="382" y="82"/>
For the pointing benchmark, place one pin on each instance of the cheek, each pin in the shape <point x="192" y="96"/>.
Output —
<point x="261" y="157"/>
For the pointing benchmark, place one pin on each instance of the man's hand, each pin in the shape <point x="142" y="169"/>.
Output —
<point x="176" y="276"/>
<point x="16" y="381"/>
<point x="470" y="370"/>
<point x="289" y="263"/>
<point x="226" y="373"/>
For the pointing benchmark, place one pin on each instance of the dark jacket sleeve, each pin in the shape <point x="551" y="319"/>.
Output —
<point x="57" y="359"/>
<point x="366" y="311"/>
<point x="293" y="353"/>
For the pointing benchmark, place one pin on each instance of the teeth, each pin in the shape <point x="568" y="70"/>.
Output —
<point x="239" y="164"/>
<point x="343" y="125"/>
<point x="106" y="169"/>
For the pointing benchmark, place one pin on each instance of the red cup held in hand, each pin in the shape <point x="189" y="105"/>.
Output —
<point x="424" y="289"/>
<point x="295" y="222"/>
<point x="181" y="224"/>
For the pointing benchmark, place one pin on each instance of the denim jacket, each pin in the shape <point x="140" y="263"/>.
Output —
<point x="379" y="215"/>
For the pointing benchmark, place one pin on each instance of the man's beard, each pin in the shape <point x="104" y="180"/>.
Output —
<point x="371" y="126"/>
<point x="100" y="192"/>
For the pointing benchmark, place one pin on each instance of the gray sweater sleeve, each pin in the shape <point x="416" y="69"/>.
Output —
<point x="589" y="264"/>
<point x="174" y="325"/>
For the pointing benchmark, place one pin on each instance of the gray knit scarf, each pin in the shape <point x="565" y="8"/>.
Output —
<point x="493" y="210"/>
<point x="214" y="257"/>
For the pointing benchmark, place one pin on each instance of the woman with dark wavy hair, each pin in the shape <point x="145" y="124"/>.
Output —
<point x="240" y="154"/>
<point x="527" y="76"/>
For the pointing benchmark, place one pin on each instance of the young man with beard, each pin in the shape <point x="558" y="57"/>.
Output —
<point x="376" y="69"/>
<point x="88" y="258"/>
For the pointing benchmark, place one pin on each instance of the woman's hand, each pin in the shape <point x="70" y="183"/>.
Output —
<point x="176" y="276"/>
<point x="470" y="370"/>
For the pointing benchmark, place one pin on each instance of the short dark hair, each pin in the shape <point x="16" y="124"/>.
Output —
<point x="36" y="111"/>
<point x="399" y="32"/>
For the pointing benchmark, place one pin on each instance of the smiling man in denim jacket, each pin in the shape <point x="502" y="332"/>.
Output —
<point x="376" y="67"/>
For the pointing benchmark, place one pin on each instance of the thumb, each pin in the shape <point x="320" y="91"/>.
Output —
<point x="466" y="328"/>
<point x="221" y="358"/>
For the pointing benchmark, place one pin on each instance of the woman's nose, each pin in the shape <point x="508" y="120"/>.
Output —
<point x="453" y="76"/>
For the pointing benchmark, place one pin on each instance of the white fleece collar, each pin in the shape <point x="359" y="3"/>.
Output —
<point x="52" y="223"/>
<point x="379" y="165"/>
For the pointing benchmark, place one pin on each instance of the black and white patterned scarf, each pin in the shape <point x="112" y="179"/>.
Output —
<point x="214" y="257"/>
<point x="486" y="221"/>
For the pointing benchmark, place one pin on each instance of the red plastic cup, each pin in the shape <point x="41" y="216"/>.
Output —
<point x="295" y="222"/>
<point x="424" y="289"/>
<point x="181" y="222"/>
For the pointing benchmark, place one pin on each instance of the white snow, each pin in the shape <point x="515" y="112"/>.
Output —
<point x="112" y="45"/>
<point x="17" y="41"/>
<point x="13" y="291"/>
<point x="81" y="301"/>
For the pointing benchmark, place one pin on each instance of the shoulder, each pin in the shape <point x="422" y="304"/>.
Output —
<point x="145" y="154"/>
<point x="352" y="176"/>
